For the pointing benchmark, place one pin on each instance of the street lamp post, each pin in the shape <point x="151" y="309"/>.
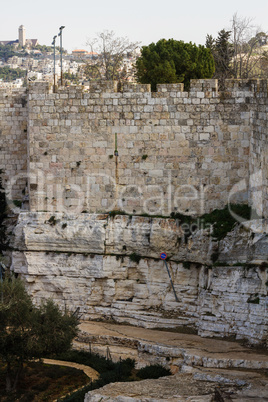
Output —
<point x="60" y="35"/>
<point x="54" y="43"/>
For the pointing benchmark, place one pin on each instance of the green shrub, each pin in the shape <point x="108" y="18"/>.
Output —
<point x="116" y="212"/>
<point x="109" y="371"/>
<point x="153" y="371"/>
<point x="78" y="396"/>
<point x="254" y="299"/>
<point x="95" y="361"/>
<point x="52" y="220"/>
<point x="135" y="257"/>
<point x="223" y="222"/>
<point x="186" y="264"/>
<point x="17" y="203"/>
<point x="221" y="219"/>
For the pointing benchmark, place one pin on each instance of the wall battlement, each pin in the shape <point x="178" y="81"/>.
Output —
<point x="234" y="86"/>
<point x="111" y="146"/>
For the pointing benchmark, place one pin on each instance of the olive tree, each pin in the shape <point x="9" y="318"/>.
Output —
<point x="28" y="331"/>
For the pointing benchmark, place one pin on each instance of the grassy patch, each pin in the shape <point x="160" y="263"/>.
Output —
<point x="43" y="382"/>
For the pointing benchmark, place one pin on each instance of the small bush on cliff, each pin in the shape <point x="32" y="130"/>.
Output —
<point x="135" y="257"/>
<point x="222" y="220"/>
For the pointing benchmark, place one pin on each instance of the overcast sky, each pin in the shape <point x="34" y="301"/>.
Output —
<point x="145" y="21"/>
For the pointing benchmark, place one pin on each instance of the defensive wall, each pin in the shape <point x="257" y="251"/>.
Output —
<point x="13" y="140"/>
<point x="107" y="147"/>
<point x="80" y="153"/>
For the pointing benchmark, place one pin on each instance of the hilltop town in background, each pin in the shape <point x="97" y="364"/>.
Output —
<point x="25" y="59"/>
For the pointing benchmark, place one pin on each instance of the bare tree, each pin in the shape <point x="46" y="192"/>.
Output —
<point x="108" y="53"/>
<point x="247" y="50"/>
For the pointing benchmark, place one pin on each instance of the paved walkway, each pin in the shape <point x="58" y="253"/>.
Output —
<point x="90" y="372"/>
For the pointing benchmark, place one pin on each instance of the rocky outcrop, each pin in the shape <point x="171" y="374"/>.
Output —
<point x="109" y="268"/>
<point x="197" y="385"/>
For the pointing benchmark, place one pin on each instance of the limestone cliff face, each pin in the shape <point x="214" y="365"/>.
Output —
<point x="110" y="268"/>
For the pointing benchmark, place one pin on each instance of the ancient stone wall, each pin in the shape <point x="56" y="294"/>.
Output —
<point x="13" y="140"/>
<point x="177" y="151"/>
<point x="259" y="150"/>
<point x="107" y="148"/>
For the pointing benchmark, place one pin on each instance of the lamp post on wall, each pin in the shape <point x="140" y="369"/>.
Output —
<point x="54" y="72"/>
<point x="60" y="35"/>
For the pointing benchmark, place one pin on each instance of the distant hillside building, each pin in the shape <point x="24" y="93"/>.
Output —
<point x="22" y="41"/>
<point x="22" y="38"/>
<point x="83" y="53"/>
<point x="79" y="52"/>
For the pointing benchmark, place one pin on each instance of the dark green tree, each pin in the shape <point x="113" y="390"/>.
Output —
<point x="11" y="74"/>
<point x="28" y="331"/>
<point x="6" y="51"/>
<point x="222" y="51"/>
<point x="171" y="61"/>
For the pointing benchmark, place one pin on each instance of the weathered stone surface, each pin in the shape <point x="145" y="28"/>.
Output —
<point x="46" y="232"/>
<point x="217" y="301"/>
<point x="172" y="350"/>
<point x="151" y="236"/>
<point x="247" y="243"/>
<point x="175" y="388"/>
<point x="200" y="385"/>
<point x="119" y="235"/>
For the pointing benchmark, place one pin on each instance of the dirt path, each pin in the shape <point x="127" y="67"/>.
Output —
<point x="90" y="372"/>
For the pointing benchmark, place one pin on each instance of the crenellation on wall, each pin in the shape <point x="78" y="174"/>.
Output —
<point x="166" y="140"/>
<point x="109" y="146"/>
<point x="204" y="88"/>
<point x="200" y="137"/>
